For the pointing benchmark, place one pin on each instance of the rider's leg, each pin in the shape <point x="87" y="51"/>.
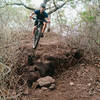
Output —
<point x="34" y="28"/>
<point x="44" y="27"/>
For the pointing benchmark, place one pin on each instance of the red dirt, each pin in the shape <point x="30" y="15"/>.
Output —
<point x="79" y="80"/>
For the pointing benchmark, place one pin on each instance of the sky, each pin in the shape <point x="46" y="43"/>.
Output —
<point x="37" y="2"/>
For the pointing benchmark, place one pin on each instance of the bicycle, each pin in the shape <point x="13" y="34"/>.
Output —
<point x="37" y="33"/>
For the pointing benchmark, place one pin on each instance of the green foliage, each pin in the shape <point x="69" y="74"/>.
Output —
<point x="87" y="16"/>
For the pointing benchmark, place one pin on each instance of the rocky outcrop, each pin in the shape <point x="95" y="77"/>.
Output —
<point x="46" y="83"/>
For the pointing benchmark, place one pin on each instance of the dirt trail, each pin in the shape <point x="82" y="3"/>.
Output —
<point x="76" y="79"/>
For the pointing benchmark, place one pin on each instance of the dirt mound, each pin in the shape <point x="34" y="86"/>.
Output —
<point x="75" y="80"/>
<point x="46" y="60"/>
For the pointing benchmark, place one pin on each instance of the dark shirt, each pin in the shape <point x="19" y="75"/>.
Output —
<point x="42" y="15"/>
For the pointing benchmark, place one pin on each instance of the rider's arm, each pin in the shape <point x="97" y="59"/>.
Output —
<point x="48" y="20"/>
<point x="32" y="14"/>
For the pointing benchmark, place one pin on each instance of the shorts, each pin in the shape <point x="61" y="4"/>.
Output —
<point x="36" y="22"/>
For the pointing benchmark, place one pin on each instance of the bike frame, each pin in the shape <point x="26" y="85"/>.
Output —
<point x="37" y="32"/>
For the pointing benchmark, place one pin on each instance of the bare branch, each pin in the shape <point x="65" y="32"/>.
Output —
<point x="54" y="3"/>
<point x="18" y="4"/>
<point x="57" y="7"/>
<point x="50" y="7"/>
<point x="45" y="1"/>
<point x="5" y="67"/>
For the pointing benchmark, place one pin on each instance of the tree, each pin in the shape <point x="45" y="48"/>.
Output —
<point x="55" y="8"/>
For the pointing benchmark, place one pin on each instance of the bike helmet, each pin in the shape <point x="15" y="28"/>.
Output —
<point x="43" y="5"/>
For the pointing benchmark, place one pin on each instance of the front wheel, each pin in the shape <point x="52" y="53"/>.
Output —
<point x="36" y="39"/>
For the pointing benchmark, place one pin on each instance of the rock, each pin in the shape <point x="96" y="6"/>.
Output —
<point x="89" y="84"/>
<point x="82" y="64"/>
<point x="45" y="81"/>
<point x="52" y="87"/>
<point x="34" y="85"/>
<point x="44" y="88"/>
<point x="33" y="76"/>
<point x="71" y="83"/>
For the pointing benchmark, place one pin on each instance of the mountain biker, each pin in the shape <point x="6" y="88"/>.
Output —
<point x="42" y="15"/>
